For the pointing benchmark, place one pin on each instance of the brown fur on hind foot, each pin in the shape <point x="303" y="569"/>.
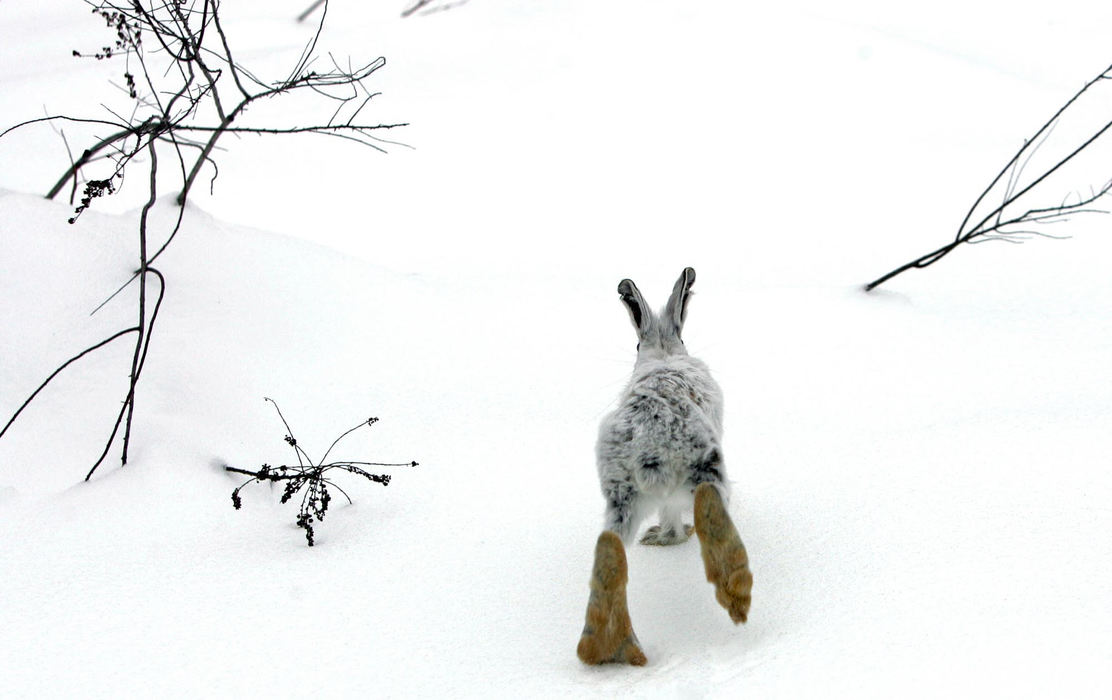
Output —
<point x="608" y="633"/>
<point x="724" y="556"/>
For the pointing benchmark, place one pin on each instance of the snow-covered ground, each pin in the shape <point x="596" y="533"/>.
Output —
<point x="920" y="474"/>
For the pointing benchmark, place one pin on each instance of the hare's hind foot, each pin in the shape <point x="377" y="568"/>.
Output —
<point x="659" y="535"/>
<point x="608" y="633"/>
<point x="724" y="556"/>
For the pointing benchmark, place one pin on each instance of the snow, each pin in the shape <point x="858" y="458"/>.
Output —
<point x="919" y="473"/>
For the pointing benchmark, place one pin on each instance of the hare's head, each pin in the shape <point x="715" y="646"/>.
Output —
<point x="660" y="335"/>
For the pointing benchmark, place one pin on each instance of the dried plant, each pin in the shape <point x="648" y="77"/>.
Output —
<point x="311" y="480"/>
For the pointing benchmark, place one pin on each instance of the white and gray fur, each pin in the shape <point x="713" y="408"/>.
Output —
<point x="664" y="439"/>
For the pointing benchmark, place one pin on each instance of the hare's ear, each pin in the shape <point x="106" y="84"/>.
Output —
<point x="675" y="312"/>
<point x="639" y="311"/>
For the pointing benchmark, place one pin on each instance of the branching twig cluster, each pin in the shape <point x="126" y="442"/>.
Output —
<point x="311" y="480"/>
<point x="194" y="90"/>
<point x="1014" y="219"/>
<point x="187" y="90"/>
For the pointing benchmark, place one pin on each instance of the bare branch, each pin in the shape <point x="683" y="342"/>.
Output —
<point x="992" y="225"/>
<point x="184" y="79"/>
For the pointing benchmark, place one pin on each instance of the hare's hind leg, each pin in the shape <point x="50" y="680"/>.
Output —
<point x="625" y="508"/>
<point x="608" y="633"/>
<point x="724" y="556"/>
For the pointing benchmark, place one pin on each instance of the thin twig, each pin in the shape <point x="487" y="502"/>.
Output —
<point x="302" y="17"/>
<point x="415" y="7"/>
<point x="142" y="340"/>
<point x="58" y="371"/>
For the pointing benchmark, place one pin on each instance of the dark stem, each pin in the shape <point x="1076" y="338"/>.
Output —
<point x="416" y="6"/>
<point x="924" y="261"/>
<point x="150" y="326"/>
<point x="301" y="453"/>
<point x="305" y="15"/>
<point x="207" y="150"/>
<point x="58" y="371"/>
<point x="141" y="341"/>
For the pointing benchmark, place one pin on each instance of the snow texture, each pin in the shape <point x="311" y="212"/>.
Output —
<point x="920" y="475"/>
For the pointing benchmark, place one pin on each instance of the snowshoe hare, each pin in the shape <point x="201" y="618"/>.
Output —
<point x="660" y="450"/>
